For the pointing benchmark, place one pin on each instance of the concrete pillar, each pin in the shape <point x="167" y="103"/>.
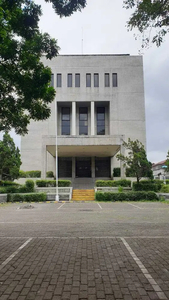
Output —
<point x="74" y="118"/>
<point x="93" y="167"/>
<point x="73" y="167"/>
<point x="92" y="118"/>
<point x="44" y="162"/>
<point x="123" y="174"/>
<point x="111" y="166"/>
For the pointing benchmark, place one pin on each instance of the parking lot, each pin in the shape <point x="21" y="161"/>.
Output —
<point x="83" y="251"/>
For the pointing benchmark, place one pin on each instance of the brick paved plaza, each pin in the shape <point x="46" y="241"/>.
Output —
<point x="92" y="251"/>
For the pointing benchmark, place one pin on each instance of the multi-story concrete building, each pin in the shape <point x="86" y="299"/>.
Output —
<point x="99" y="103"/>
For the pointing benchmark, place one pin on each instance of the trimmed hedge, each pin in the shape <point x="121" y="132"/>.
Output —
<point x="34" y="197"/>
<point x="8" y="183"/>
<point x="130" y="196"/>
<point x="113" y="183"/>
<point x="30" y="174"/>
<point x="147" y="185"/>
<point x="165" y="188"/>
<point x="28" y="187"/>
<point x="49" y="174"/>
<point x="52" y="183"/>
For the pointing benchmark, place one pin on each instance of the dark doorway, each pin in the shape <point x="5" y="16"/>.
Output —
<point x="83" y="167"/>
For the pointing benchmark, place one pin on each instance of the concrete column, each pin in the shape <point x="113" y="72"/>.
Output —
<point x="44" y="162"/>
<point x="93" y="167"/>
<point x="73" y="167"/>
<point x="111" y="166"/>
<point x="123" y="174"/>
<point x="74" y="118"/>
<point x="92" y="118"/>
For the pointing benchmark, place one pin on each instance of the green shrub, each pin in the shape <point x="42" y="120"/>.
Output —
<point x="49" y="174"/>
<point x="52" y="183"/>
<point x="33" y="174"/>
<point x="165" y="188"/>
<point x="30" y="174"/>
<point x="3" y="190"/>
<point x="116" y="172"/>
<point x="22" y="174"/>
<point x="30" y="185"/>
<point x="130" y="196"/>
<point x="113" y="183"/>
<point x="120" y="189"/>
<point x="8" y="183"/>
<point x="34" y="197"/>
<point x="147" y="185"/>
<point x="167" y="181"/>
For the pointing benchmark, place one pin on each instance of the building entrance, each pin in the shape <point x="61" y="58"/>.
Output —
<point x="83" y="167"/>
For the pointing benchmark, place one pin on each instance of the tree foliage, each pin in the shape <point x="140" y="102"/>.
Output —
<point x="167" y="162"/>
<point x="136" y="160"/>
<point x="67" y="7"/>
<point x="9" y="158"/>
<point x="148" y="15"/>
<point x="25" y="90"/>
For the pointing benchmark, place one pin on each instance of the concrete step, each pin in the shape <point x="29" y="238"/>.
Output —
<point x="83" y="195"/>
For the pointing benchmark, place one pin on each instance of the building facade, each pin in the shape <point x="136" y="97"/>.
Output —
<point x="159" y="170"/>
<point x="99" y="103"/>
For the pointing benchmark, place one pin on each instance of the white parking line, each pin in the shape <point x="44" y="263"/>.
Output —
<point x="14" y="254"/>
<point x="61" y="206"/>
<point x="100" y="206"/>
<point x="153" y="283"/>
<point x="135" y="206"/>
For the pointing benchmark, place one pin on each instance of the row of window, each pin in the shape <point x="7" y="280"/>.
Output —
<point x="88" y="80"/>
<point x="83" y="121"/>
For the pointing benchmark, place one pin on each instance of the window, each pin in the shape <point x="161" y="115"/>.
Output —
<point x="88" y="80"/>
<point x="106" y="80"/>
<point x="77" y="80"/>
<point x="59" y="80"/>
<point x="100" y="120"/>
<point x="65" y="121"/>
<point x="52" y="80"/>
<point x="114" y="79"/>
<point x="69" y="80"/>
<point x="96" y="80"/>
<point x="83" y="121"/>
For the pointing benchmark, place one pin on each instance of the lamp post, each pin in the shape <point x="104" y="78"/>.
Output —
<point x="56" y="153"/>
<point x="164" y="167"/>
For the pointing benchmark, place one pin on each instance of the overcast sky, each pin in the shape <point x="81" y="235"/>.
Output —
<point x="103" y="27"/>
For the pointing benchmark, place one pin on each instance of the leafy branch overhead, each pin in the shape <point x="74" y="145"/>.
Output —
<point x="149" y="15"/>
<point x="25" y="91"/>
<point x="67" y="7"/>
<point x="136" y="159"/>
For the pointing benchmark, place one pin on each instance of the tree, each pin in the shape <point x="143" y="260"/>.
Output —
<point x="167" y="162"/>
<point x="136" y="160"/>
<point x="25" y="90"/>
<point x="148" y="15"/>
<point x="9" y="158"/>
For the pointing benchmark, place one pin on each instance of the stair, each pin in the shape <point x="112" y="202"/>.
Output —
<point x="83" y="195"/>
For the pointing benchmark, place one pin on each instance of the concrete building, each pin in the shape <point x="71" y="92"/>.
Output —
<point x="99" y="103"/>
<point x="159" y="170"/>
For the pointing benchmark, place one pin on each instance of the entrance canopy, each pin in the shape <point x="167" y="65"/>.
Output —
<point x="81" y="151"/>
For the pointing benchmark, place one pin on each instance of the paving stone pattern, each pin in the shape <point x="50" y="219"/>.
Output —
<point x="76" y="252"/>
